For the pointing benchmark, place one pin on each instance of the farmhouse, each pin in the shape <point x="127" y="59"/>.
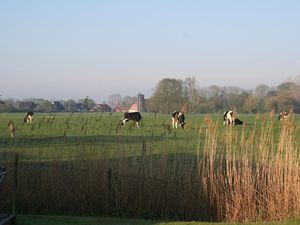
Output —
<point x="101" y="108"/>
<point x="58" y="106"/>
<point x="134" y="108"/>
<point x="138" y="106"/>
<point x="80" y="107"/>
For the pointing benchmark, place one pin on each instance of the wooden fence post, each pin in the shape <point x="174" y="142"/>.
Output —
<point x="15" y="185"/>
<point x="109" y="191"/>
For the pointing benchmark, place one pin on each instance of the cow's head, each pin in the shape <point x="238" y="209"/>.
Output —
<point x="181" y="119"/>
<point x="283" y="115"/>
<point x="28" y="117"/>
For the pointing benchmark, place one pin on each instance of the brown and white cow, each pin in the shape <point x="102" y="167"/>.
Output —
<point x="283" y="115"/>
<point x="11" y="129"/>
<point x="178" y="118"/>
<point x="228" y="117"/>
<point x="134" y="116"/>
<point x="28" y="117"/>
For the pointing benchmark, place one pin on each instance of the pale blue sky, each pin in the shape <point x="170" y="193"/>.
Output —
<point x="61" y="49"/>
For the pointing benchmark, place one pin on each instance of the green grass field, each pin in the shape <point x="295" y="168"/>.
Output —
<point x="86" y="164"/>
<point x="63" y="136"/>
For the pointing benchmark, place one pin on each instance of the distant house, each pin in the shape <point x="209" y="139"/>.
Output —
<point x="133" y="107"/>
<point x="80" y="107"/>
<point x="101" y="108"/>
<point x="58" y="106"/>
<point x="119" y="109"/>
<point x="139" y="106"/>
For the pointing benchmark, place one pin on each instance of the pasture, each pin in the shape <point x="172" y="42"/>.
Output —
<point x="86" y="164"/>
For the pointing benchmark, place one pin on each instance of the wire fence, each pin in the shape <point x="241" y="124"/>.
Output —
<point x="103" y="188"/>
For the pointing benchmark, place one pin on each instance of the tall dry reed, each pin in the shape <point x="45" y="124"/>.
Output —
<point x="254" y="177"/>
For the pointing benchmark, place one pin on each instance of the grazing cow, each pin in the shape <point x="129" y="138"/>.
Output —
<point x="178" y="118"/>
<point x="283" y="115"/>
<point x="2" y="173"/>
<point x="28" y="117"/>
<point x="229" y="118"/>
<point x="11" y="129"/>
<point x="238" y="122"/>
<point x="134" y="116"/>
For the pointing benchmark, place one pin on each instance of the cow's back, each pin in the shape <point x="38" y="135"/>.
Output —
<point x="136" y="116"/>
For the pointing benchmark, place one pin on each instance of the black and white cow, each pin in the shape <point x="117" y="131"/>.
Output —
<point x="134" y="116"/>
<point x="229" y="118"/>
<point x="28" y="117"/>
<point x="2" y="173"/>
<point x="283" y="115"/>
<point x="178" y="118"/>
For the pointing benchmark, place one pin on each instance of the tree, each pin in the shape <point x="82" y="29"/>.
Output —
<point x="212" y="91"/>
<point x="10" y="105"/>
<point x="127" y="101"/>
<point x="46" y="106"/>
<point x="89" y="103"/>
<point x="69" y="105"/>
<point x="288" y="95"/>
<point x="261" y="91"/>
<point x="26" y="106"/>
<point x="192" y="94"/>
<point x="114" y="100"/>
<point x="168" y="96"/>
<point x="250" y="104"/>
<point x="3" y="107"/>
<point x="271" y="104"/>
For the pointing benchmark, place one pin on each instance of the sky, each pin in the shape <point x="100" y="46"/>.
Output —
<point x="70" y="49"/>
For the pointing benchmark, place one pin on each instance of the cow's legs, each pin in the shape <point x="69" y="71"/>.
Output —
<point x="124" y="121"/>
<point x="173" y="123"/>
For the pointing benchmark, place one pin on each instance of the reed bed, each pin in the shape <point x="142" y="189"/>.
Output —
<point x="207" y="172"/>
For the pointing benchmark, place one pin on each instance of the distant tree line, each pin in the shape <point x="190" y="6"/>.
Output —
<point x="81" y="105"/>
<point x="42" y="105"/>
<point x="186" y="95"/>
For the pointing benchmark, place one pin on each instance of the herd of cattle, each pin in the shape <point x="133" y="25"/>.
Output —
<point x="178" y="118"/>
<point x="229" y="118"/>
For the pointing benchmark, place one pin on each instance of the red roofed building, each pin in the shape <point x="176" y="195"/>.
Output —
<point x="101" y="108"/>
<point x="133" y="107"/>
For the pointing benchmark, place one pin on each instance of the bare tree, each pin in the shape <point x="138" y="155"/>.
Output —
<point x="114" y="100"/>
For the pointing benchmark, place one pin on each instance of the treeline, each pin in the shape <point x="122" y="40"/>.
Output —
<point x="42" y="105"/>
<point x="115" y="101"/>
<point x="186" y="95"/>
<point x="176" y="94"/>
